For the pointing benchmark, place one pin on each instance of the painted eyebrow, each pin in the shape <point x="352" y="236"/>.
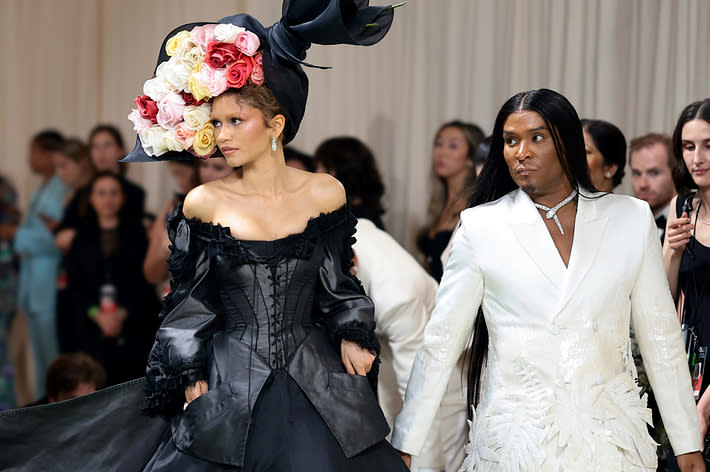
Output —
<point x="539" y="128"/>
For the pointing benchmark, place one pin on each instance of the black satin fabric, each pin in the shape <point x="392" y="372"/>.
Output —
<point x="241" y="312"/>
<point x="104" y="431"/>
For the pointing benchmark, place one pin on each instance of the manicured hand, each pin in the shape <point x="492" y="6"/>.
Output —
<point x="679" y="232"/>
<point x="356" y="359"/>
<point x="192" y="392"/>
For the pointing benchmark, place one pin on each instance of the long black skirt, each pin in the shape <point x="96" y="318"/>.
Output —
<point x="105" y="431"/>
<point x="287" y="435"/>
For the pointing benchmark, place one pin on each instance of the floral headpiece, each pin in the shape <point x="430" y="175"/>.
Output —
<point x="199" y="61"/>
<point x="174" y="112"/>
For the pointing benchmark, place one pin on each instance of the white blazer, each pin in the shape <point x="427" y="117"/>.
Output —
<point x="558" y="391"/>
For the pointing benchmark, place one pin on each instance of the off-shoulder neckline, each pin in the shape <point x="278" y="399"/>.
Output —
<point x="225" y="232"/>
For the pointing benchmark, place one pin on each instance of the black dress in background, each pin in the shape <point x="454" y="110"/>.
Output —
<point x="694" y="281"/>
<point x="433" y="248"/>
<point x="111" y="257"/>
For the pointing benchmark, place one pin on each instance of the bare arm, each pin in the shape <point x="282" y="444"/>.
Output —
<point x="155" y="264"/>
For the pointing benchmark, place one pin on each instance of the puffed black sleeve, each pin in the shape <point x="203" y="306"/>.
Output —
<point x="348" y="312"/>
<point x="182" y="343"/>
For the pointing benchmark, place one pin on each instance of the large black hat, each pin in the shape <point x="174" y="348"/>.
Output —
<point x="281" y="52"/>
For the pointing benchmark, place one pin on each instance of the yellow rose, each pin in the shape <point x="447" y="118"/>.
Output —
<point x="203" y="145"/>
<point x="198" y="90"/>
<point x="173" y="43"/>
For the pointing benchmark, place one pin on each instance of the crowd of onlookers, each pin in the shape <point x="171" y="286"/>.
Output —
<point x="84" y="267"/>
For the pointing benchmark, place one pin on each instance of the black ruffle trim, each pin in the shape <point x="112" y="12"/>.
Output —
<point x="364" y="335"/>
<point x="165" y="395"/>
<point x="339" y="223"/>
<point x="358" y="332"/>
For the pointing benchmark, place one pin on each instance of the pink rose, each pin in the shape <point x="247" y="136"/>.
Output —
<point x="214" y="79"/>
<point x="139" y="123"/>
<point x="239" y="72"/>
<point x="185" y="135"/>
<point x="203" y="36"/>
<point x="257" y="75"/>
<point x="170" y="110"/>
<point x="247" y="42"/>
<point x="147" y="107"/>
<point x="220" y="54"/>
<point x="190" y="100"/>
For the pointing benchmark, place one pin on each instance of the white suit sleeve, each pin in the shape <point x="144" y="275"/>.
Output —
<point x="445" y="338"/>
<point x="660" y="341"/>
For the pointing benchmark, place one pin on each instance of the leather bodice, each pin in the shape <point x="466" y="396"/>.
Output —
<point x="238" y="310"/>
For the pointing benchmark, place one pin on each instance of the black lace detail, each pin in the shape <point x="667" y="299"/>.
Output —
<point x="165" y="394"/>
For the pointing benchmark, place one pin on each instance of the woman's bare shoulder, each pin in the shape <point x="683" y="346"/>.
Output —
<point x="199" y="203"/>
<point x="326" y="192"/>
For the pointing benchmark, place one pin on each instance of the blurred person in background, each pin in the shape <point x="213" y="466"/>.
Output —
<point x="298" y="159"/>
<point x="403" y="294"/>
<point x="213" y="168"/>
<point x="106" y="149"/>
<point x="606" y="153"/>
<point x="686" y="252"/>
<point x="113" y="307"/>
<point x="352" y="162"/>
<point x="9" y="218"/>
<point x="186" y="176"/>
<point x="453" y="174"/>
<point x="39" y="267"/>
<point x="73" y="166"/>
<point x="650" y="158"/>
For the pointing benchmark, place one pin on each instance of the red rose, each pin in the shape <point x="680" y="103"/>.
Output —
<point x="190" y="99"/>
<point x="221" y="54"/>
<point x="239" y="72"/>
<point x="147" y="108"/>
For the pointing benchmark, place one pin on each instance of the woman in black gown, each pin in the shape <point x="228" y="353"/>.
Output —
<point x="266" y="338"/>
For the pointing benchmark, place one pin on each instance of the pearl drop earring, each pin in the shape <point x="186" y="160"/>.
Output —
<point x="273" y="143"/>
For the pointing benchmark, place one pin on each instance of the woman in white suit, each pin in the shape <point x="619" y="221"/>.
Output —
<point x="558" y="270"/>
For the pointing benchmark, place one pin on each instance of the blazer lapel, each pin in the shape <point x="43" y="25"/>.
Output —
<point x="532" y="234"/>
<point x="588" y="237"/>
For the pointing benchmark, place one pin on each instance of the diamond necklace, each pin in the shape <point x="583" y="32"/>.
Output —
<point x="551" y="213"/>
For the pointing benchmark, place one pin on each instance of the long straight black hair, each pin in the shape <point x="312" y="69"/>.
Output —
<point x="495" y="181"/>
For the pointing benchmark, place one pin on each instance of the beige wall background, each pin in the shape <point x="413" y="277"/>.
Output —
<point x="69" y="64"/>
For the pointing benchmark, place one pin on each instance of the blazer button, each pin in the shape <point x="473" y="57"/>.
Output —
<point x="559" y="382"/>
<point x="554" y="329"/>
<point x="595" y="325"/>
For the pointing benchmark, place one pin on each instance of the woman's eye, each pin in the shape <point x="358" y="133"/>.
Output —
<point x="689" y="147"/>
<point x="511" y="141"/>
<point x="236" y="121"/>
<point x="537" y="138"/>
<point x="216" y="123"/>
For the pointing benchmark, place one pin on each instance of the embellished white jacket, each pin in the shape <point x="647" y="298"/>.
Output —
<point x="558" y="390"/>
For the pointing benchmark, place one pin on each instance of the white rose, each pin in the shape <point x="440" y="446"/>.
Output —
<point x="227" y="33"/>
<point x="175" y="73"/>
<point x="190" y="54"/>
<point x="171" y="142"/>
<point x="157" y="87"/>
<point x="152" y="141"/>
<point x="196" y="117"/>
